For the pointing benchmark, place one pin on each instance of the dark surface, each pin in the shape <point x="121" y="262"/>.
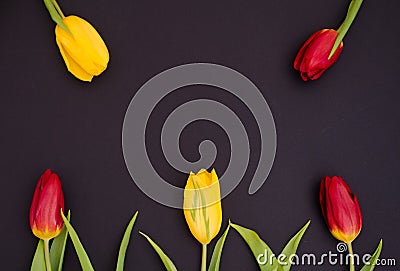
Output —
<point x="346" y="123"/>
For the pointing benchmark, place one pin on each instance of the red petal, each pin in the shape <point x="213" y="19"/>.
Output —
<point x="302" y="50"/>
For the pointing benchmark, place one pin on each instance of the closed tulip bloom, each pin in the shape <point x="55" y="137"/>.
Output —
<point x="83" y="50"/>
<point x="202" y="205"/>
<point x="313" y="60"/>
<point x="45" y="212"/>
<point x="340" y="209"/>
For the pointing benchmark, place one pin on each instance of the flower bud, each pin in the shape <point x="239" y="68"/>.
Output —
<point x="48" y="201"/>
<point x="202" y="205"/>
<point x="313" y="60"/>
<point x="340" y="209"/>
<point x="83" y="50"/>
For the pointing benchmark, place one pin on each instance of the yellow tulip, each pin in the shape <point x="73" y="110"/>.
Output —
<point x="83" y="50"/>
<point x="202" y="205"/>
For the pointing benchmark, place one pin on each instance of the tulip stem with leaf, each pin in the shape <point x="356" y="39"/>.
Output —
<point x="354" y="7"/>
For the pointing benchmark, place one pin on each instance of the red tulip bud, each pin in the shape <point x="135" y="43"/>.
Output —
<point x="48" y="200"/>
<point x="313" y="58"/>
<point x="340" y="209"/>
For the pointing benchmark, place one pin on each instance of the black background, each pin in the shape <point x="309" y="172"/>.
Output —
<point x="346" y="123"/>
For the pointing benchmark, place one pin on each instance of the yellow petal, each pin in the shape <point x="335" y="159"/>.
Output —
<point x="214" y="214"/>
<point x="205" y="177"/>
<point x="214" y="177"/>
<point x="74" y="67"/>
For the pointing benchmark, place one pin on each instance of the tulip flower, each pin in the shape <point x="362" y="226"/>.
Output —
<point x="313" y="58"/>
<point x="83" y="50"/>
<point x="45" y="212"/>
<point x="341" y="211"/>
<point x="202" y="207"/>
<point x="45" y="217"/>
<point x="323" y="48"/>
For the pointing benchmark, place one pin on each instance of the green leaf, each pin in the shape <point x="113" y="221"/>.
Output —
<point x="55" y="15"/>
<point x="169" y="265"/>
<point x="82" y="255"/>
<point x="125" y="243"/>
<point x="371" y="263"/>
<point x="38" y="262"/>
<point x="216" y="256"/>
<point x="58" y="248"/>
<point x="291" y="247"/>
<point x="260" y="249"/>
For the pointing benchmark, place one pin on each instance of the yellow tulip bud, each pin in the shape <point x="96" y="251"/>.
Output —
<point x="202" y="205"/>
<point x="83" y="50"/>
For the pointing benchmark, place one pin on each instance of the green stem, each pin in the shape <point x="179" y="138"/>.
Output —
<point x="345" y="26"/>
<point x="58" y="8"/>
<point x="56" y="13"/>
<point x="204" y="258"/>
<point x="350" y="248"/>
<point x="47" y="254"/>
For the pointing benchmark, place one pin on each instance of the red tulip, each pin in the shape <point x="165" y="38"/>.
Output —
<point x="340" y="209"/>
<point x="48" y="201"/>
<point x="313" y="58"/>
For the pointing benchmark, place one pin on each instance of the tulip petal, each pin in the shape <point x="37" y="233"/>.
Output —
<point x="72" y="66"/>
<point x="303" y="48"/>
<point x="203" y="178"/>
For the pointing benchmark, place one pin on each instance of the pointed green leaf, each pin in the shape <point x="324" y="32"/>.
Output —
<point x="291" y="248"/>
<point x="82" y="255"/>
<point x="38" y="262"/>
<point x="169" y="265"/>
<point x="216" y="256"/>
<point x="261" y="251"/>
<point x="58" y="248"/>
<point x="124" y="244"/>
<point x="371" y="263"/>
